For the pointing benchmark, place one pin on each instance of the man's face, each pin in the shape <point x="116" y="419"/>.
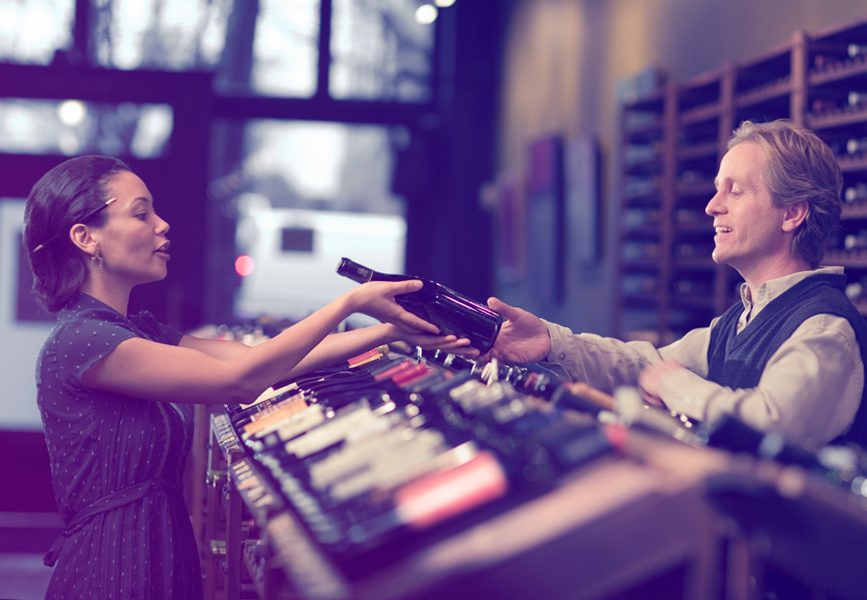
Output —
<point x="748" y="226"/>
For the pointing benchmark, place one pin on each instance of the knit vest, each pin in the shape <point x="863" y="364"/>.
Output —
<point x="738" y="360"/>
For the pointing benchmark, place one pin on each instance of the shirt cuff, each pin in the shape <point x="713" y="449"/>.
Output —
<point x="559" y="337"/>
<point x="693" y="404"/>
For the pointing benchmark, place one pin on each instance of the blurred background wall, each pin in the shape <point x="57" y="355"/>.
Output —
<point x="564" y="68"/>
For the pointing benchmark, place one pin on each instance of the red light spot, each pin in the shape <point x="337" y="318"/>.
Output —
<point x="244" y="265"/>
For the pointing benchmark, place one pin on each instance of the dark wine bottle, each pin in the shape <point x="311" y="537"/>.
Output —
<point x="856" y="145"/>
<point x="452" y="312"/>
<point x="855" y="193"/>
<point x="855" y="51"/>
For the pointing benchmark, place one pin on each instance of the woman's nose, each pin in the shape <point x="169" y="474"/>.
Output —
<point x="163" y="225"/>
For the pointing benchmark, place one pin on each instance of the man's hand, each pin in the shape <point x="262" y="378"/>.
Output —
<point x="376" y="298"/>
<point x="523" y="338"/>
<point x="650" y="380"/>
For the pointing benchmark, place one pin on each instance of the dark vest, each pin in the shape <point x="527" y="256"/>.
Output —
<point x="738" y="360"/>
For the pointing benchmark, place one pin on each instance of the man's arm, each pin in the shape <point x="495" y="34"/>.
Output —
<point x="604" y="363"/>
<point x="607" y="363"/>
<point x="809" y="391"/>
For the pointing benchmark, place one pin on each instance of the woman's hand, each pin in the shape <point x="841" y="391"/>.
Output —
<point x="376" y="298"/>
<point x="523" y="338"/>
<point x="448" y="343"/>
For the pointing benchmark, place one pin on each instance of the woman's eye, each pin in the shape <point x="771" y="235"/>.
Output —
<point x="142" y="216"/>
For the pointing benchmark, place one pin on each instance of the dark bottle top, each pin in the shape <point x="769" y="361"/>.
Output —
<point x="452" y="312"/>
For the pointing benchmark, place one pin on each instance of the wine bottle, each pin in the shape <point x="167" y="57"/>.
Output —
<point x="691" y="250"/>
<point x="452" y="312"/>
<point x="856" y="98"/>
<point x="854" y="290"/>
<point x="820" y="106"/>
<point x="856" y="50"/>
<point x="856" y="145"/>
<point x="640" y="251"/>
<point x="689" y="287"/>
<point x="855" y="241"/>
<point x="821" y="61"/>
<point x="855" y="193"/>
<point x="638" y="284"/>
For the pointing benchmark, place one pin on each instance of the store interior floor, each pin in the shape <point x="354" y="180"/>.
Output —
<point x="24" y="538"/>
<point x="23" y="576"/>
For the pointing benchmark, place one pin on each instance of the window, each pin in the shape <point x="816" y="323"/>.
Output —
<point x="271" y="47"/>
<point x="73" y="127"/>
<point x="304" y="195"/>
<point x="32" y="31"/>
<point x="379" y="51"/>
<point x="173" y="35"/>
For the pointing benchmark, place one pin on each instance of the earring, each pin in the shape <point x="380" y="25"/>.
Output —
<point x="96" y="259"/>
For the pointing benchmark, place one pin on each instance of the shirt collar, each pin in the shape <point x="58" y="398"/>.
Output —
<point x="774" y="287"/>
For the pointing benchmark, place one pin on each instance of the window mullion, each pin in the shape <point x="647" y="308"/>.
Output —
<point x="324" y="62"/>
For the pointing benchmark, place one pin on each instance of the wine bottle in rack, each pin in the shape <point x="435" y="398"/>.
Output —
<point x="640" y="153"/>
<point x="856" y="51"/>
<point x="856" y="241"/>
<point x="690" y="287"/>
<point x="640" y="251"/>
<point x="691" y="250"/>
<point x="856" y="145"/>
<point x="822" y="105"/>
<point x="688" y="216"/>
<point x="452" y="312"/>
<point x="855" y="193"/>
<point x="854" y="290"/>
<point x="641" y="218"/>
<point x="835" y="242"/>
<point x="823" y="60"/>
<point x="638" y="284"/>
<point x="857" y="98"/>
<point x="640" y="186"/>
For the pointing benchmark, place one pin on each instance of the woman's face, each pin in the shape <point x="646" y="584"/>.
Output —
<point x="133" y="240"/>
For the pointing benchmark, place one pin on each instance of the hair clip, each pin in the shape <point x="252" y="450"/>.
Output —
<point x="81" y="220"/>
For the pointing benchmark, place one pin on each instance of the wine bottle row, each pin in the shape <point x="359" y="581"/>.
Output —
<point x="855" y="193"/>
<point x="842" y="102"/>
<point x="836" y="56"/>
<point x="372" y="453"/>
<point x="646" y="285"/>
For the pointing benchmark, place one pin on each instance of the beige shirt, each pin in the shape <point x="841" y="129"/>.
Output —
<point x="809" y="391"/>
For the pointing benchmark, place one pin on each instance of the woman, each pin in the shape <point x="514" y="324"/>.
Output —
<point x="114" y="389"/>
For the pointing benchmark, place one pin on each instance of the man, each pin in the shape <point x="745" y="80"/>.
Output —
<point x="787" y="357"/>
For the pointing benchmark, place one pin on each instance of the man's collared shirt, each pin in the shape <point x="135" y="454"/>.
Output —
<point x="809" y="391"/>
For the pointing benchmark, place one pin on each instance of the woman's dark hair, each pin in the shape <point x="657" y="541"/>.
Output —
<point x="67" y="194"/>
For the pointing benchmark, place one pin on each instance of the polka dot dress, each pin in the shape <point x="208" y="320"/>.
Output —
<point x="116" y="465"/>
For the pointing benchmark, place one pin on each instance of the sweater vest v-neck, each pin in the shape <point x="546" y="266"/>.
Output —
<point x="737" y="360"/>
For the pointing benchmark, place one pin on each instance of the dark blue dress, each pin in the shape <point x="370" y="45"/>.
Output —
<point x="116" y="465"/>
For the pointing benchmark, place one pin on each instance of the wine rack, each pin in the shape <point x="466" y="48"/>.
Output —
<point x="837" y="112"/>
<point x="672" y="142"/>
<point x="701" y="106"/>
<point x="645" y="204"/>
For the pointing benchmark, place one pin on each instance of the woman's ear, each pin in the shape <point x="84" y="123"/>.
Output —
<point x="83" y="239"/>
<point x="794" y="215"/>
